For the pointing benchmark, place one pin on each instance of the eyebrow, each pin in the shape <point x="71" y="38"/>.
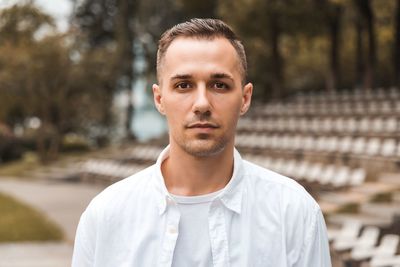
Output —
<point x="221" y="76"/>
<point x="213" y="76"/>
<point x="181" y="77"/>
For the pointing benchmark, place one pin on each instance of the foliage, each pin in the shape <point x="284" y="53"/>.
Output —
<point x="54" y="78"/>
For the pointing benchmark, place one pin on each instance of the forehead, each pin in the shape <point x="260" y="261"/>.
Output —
<point x="186" y="54"/>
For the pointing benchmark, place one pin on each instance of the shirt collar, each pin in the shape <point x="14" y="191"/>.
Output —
<point x="230" y="196"/>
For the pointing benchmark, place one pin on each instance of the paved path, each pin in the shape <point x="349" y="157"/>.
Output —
<point x="61" y="202"/>
<point x="35" y="254"/>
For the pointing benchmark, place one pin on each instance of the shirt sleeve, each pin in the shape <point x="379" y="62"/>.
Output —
<point x="316" y="247"/>
<point x="84" y="247"/>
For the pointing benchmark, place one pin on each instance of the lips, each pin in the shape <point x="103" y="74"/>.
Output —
<point x="202" y="125"/>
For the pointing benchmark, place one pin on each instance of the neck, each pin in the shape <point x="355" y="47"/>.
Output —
<point x="187" y="175"/>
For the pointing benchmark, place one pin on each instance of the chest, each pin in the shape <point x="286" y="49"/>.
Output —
<point x="225" y="237"/>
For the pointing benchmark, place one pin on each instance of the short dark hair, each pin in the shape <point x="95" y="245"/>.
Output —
<point x="202" y="28"/>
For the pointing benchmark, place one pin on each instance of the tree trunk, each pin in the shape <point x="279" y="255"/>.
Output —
<point x="334" y="16"/>
<point x="125" y="37"/>
<point x="371" y="66"/>
<point x="359" y="54"/>
<point x="366" y="12"/>
<point x="54" y="146"/>
<point x="41" y="144"/>
<point x="396" y="47"/>
<point x="277" y="60"/>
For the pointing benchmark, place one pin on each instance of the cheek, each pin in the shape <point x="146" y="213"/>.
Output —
<point x="174" y="111"/>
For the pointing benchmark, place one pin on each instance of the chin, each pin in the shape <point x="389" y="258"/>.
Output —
<point x="204" y="148"/>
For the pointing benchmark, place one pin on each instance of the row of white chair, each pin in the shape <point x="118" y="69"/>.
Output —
<point x="144" y="152"/>
<point x="364" y="244"/>
<point x="357" y="94"/>
<point x="109" y="168"/>
<point x="324" y="174"/>
<point x="327" y="108"/>
<point x="365" y="125"/>
<point x="386" y="147"/>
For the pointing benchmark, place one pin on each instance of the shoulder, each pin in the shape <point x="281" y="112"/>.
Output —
<point x="276" y="196"/>
<point x="124" y="191"/>
<point x="278" y="188"/>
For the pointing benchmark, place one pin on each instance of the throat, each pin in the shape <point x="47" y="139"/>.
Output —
<point x="191" y="177"/>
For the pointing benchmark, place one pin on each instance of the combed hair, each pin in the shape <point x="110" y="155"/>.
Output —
<point x="203" y="29"/>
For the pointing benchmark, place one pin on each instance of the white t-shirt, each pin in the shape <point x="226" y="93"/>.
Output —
<point x="193" y="247"/>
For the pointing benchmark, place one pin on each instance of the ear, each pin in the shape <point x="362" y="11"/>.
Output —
<point x="158" y="98"/>
<point x="246" y="98"/>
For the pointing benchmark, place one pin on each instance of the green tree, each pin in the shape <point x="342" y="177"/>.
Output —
<point x="112" y="23"/>
<point x="55" y="79"/>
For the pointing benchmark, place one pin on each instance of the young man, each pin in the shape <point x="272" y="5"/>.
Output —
<point x="201" y="204"/>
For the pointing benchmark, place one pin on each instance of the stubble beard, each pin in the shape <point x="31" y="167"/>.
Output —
<point x="203" y="145"/>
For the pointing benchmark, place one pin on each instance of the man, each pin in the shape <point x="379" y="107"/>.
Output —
<point x="201" y="204"/>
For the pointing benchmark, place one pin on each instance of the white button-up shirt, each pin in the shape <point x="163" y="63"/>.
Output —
<point x="260" y="219"/>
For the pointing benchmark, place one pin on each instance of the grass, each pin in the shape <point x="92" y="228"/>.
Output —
<point x="17" y="168"/>
<point x="19" y="222"/>
<point x="30" y="163"/>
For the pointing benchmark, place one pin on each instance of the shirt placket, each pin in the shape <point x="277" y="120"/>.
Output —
<point x="171" y="233"/>
<point x="218" y="236"/>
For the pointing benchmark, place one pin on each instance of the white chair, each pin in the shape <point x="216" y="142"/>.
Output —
<point x="390" y="125"/>
<point x="368" y="238"/>
<point x="332" y="144"/>
<point x="373" y="146"/>
<point x="304" y="125"/>
<point x="280" y="124"/>
<point x="377" y="125"/>
<point x="314" y="172"/>
<point x="275" y="141"/>
<point x="278" y="165"/>
<point x="339" y="124"/>
<point x="328" y="174"/>
<point x="373" y="107"/>
<point x="386" y="107"/>
<point x="315" y="125"/>
<point x="357" y="177"/>
<point x="320" y="144"/>
<point x="351" y="125"/>
<point x="359" y="108"/>
<point x="292" y="124"/>
<point x="388" y="148"/>
<point x="388" y="245"/>
<point x="302" y="170"/>
<point x="358" y="145"/>
<point x="393" y="261"/>
<point x="342" y="177"/>
<point x="348" y="233"/>
<point x="290" y="168"/>
<point x="387" y="248"/>
<point x="345" y="144"/>
<point x="309" y="143"/>
<point x="285" y="142"/>
<point x="327" y="125"/>
<point x="364" y="125"/>
<point x="297" y="142"/>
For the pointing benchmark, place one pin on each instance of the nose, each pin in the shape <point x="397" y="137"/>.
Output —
<point x="201" y="105"/>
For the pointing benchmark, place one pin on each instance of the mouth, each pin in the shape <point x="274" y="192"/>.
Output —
<point x="202" y="125"/>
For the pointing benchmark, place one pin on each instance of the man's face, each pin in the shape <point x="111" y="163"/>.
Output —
<point x="201" y="94"/>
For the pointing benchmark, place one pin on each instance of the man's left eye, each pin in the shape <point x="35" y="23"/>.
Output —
<point x="219" y="85"/>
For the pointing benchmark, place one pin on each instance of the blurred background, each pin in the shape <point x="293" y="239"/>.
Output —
<point x="76" y="112"/>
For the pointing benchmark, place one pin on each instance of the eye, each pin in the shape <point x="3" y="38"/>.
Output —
<point x="220" y="86"/>
<point x="183" y="85"/>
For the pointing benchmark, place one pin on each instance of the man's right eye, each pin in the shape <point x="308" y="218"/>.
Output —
<point x="183" y="85"/>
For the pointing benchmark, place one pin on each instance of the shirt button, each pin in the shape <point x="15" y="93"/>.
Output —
<point x="169" y="201"/>
<point x="172" y="229"/>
